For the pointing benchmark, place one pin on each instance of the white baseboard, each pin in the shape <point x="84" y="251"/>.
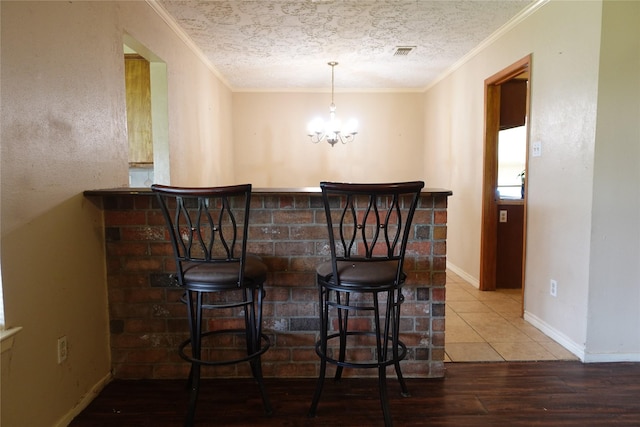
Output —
<point x="84" y="401"/>
<point x="577" y="349"/>
<point x="611" y="357"/>
<point x="460" y="272"/>
<point x="556" y="335"/>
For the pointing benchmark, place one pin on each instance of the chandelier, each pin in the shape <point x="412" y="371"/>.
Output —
<point x="332" y="131"/>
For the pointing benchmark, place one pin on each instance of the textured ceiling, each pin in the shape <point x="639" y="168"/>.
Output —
<point x="287" y="44"/>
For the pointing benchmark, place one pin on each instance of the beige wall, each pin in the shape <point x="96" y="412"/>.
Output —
<point x="272" y="148"/>
<point x="613" y="321"/>
<point x="563" y="38"/>
<point x="63" y="125"/>
<point x="568" y="81"/>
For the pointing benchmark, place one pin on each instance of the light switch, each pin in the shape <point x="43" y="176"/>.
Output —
<point x="503" y="216"/>
<point x="536" y="149"/>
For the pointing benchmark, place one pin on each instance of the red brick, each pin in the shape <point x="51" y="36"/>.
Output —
<point x="440" y="217"/>
<point x="439" y="279"/>
<point x="302" y="202"/>
<point x="142" y="233"/>
<point x="142" y="203"/>
<point x="277" y="354"/>
<point x="422" y="248"/>
<point x="155" y="217"/>
<point x="143" y="264"/>
<point x="124" y="309"/>
<point x="144" y="295"/>
<point x="298" y="339"/>
<point x="163" y="249"/>
<point x="292" y="217"/>
<point x="303" y="355"/>
<point x="305" y="263"/>
<point x="296" y="309"/>
<point x="127" y="249"/>
<point x="422" y="217"/>
<point x="260" y="216"/>
<point x="437" y="339"/>
<point x="264" y="249"/>
<point x="115" y="218"/>
<point x="268" y="232"/>
<point x="292" y="248"/>
<point x="277" y="295"/>
<point x="304" y="294"/>
<point x="147" y="355"/>
<point x="440" y="202"/>
<point x="438" y="325"/>
<point x="438" y="294"/>
<point x="291" y="279"/>
<point x="285" y="202"/>
<point x="439" y="233"/>
<point x="145" y="325"/>
<point x="309" y="232"/>
<point x="355" y="324"/>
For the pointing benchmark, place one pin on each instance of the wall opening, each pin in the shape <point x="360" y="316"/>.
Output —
<point x="147" y="115"/>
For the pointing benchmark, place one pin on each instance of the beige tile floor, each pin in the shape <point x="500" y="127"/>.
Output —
<point x="488" y="327"/>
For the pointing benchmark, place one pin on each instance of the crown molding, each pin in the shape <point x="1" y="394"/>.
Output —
<point x="524" y="14"/>
<point x="168" y="19"/>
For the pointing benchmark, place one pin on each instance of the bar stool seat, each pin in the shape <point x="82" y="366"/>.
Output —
<point x="220" y="276"/>
<point x="363" y="275"/>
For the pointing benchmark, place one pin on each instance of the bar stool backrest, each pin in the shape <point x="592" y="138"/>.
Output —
<point x="369" y="222"/>
<point x="206" y="225"/>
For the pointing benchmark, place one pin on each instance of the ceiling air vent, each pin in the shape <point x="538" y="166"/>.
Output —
<point x="403" y="50"/>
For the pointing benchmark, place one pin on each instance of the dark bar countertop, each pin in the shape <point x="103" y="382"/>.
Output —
<point x="123" y="191"/>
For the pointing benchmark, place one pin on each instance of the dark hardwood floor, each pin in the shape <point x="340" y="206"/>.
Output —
<point x="471" y="394"/>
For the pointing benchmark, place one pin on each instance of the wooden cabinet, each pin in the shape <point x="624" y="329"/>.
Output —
<point x="513" y="103"/>
<point x="138" y="90"/>
<point x="510" y="244"/>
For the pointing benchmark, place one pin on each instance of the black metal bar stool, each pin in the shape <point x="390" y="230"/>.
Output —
<point x="369" y="225"/>
<point x="208" y="229"/>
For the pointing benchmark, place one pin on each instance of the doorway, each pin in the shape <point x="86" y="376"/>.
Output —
<point x="504" y="191"/>
<point x="147" y="90"/>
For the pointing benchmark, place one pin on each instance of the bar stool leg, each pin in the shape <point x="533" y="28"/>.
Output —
<point x="382" y="340"/>
<point x="195" y="326"/>
<point x="343" y="320"/>
<point x="324" y="316"/>
<point x="397" y="301"/>
<point x="254" y="326"/>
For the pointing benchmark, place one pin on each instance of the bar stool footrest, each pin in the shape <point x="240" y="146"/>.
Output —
<point x="264" y="340"/>
<point x="402" y="347"/>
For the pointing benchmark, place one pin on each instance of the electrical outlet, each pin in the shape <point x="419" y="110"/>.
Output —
<point x="553" y="288"/>
<point x="503" y="216"/>
<point x="62" y="349"/>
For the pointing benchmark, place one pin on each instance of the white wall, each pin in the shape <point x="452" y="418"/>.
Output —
<point x="272" y="148"/>
<point x="63" y="130"/>
<point x="613" y="321"/>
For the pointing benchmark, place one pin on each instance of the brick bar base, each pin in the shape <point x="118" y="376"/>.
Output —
<point x="288" y="230"/>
